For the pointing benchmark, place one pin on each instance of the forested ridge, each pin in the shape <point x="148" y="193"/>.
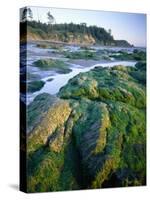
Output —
<point x="71" y="33"/>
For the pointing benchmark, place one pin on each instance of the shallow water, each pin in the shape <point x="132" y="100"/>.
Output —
<point x="59" y="80"/>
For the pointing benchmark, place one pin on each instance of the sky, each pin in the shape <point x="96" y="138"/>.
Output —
<point x="127" y="26"/>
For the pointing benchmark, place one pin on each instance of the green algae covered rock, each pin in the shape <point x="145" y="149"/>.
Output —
<point x="137" y="55"/>
<point x="51" y="64"/>
<point x="34" y="86"/>
<point x="38" y="108"/>
<point x="94" y="136"/>
<point x="86" y="54"/>
<point x="118" y="83"/>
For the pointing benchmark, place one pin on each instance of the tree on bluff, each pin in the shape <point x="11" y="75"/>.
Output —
<point x="27" y="14"/>
<point x="50" y="17"/>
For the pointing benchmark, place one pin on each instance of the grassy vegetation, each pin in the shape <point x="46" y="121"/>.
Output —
<point x="51" y="64"/>
<point x="94" y="138"/>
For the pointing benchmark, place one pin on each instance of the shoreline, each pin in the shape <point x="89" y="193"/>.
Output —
<point x="76" y="44"/>
<point x="60" y="80"/>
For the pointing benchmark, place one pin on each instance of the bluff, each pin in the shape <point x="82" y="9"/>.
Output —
<point x="69" y="33"/>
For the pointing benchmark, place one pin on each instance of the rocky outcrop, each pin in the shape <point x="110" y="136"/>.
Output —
<point x="55" y="117"/>
<point x="118" y="83"/>
<point x="54" y="65"/>
<point x="37" y="110"/>
<point x="122" y="43"/>
<point x="34" y="86"/>
<point x="94" y="136"/>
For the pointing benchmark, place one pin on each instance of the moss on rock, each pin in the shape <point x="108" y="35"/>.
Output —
<point x="94" y="138"/>
<point x="38" y="108"/>
<point x="137" y="55"/>
<point x="116" y="83"/>
<point x="86" y="54"/>
<point x="34" y="86"/>
<point x="55" y="117"/>
<point x="51" y="64"/>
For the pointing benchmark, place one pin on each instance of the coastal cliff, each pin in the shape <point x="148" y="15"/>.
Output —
<point x="78" y="34"/>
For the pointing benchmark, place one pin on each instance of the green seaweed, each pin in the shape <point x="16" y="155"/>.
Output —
<point x="34" y="86"/>
<point x="51" y="64"/>
<point x="94" y="137"/>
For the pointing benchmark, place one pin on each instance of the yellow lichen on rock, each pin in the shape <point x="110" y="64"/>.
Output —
<point x="56" y="143"/>
<point x="55" y="117"/>
<point x="104" y="123"/>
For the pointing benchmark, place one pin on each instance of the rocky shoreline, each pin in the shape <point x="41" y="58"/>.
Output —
<point x="92" y="135"/>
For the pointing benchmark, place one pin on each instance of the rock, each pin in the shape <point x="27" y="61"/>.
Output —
<point x="50" y="79"/>
<point x="43" y="45"/>
<point x="108" y="84"/>
<point x="34" y="86"/>
<point x="135" y="55"/>
<point x="55" y="141"/>
<point x="38" y="108"/>
<point x="94" y="137"/>
<point x="51" y="64"/>
<point x="55" y="116"/>
<point x="122" y="43"/>
<point x="84" y="54"/>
